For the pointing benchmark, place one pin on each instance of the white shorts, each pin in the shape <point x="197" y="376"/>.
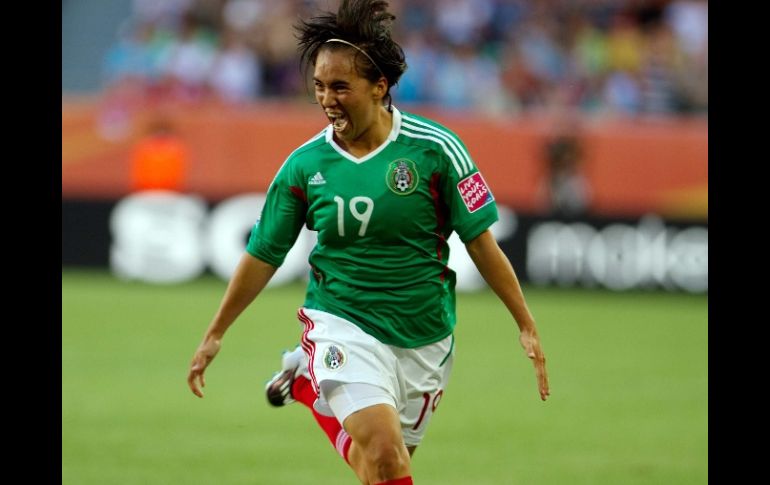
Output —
<point x="410" y="380"/>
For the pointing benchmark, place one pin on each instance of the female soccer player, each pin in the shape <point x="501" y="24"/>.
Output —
<point x="384" y="189"/>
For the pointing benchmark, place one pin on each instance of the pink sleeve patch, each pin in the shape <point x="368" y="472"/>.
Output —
<point x="473" y="189"/>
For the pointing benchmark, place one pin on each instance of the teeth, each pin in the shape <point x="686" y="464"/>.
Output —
<point x="339" y="121"/>
<point x="339" y="124"/>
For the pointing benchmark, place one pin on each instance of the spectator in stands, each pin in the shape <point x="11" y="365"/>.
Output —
<point x="236" y="72"/>
<point x="424" y="61"/>
<point x="188" y="61"/>
<point x="688" y="20"/>
<point x="464" y="80"/>
<point x="659" y="83"/>
<point x="159" y="160"/>
<point x="565" y="190"/>
<point x="126" y="71"/>
<point x="599" y="52"/>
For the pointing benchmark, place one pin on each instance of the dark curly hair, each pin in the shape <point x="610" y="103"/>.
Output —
<point x="364" y="23"/>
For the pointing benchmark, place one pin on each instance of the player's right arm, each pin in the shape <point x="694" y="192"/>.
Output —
<point x="271" y="239"/>
<point x="251" y="276"/>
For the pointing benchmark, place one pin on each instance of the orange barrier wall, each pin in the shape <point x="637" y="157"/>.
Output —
<point x="633" y="166"/>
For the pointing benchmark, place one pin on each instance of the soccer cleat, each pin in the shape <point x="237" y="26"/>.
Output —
<point x="278" y="389"/>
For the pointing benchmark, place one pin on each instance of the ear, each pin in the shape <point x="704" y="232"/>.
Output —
<point x="380" y="88"/>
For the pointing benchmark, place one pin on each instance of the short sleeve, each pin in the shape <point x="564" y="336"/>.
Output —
<point x="471" y="204"/>
<point x="282" y="218"/>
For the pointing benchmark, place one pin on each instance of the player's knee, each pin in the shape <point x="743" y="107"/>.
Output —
<point x="387" y="458"/>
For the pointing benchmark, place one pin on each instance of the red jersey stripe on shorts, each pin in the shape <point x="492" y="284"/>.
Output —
<point x="309" y="347"/>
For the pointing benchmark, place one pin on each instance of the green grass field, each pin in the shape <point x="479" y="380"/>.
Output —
<point x="628" y="405"/>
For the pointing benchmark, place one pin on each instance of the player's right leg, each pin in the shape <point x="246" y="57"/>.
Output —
<point x="293" y="365"/>
<point x="292" y="383"/>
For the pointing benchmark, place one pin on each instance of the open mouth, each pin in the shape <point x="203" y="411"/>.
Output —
<point x="338" y="120"/>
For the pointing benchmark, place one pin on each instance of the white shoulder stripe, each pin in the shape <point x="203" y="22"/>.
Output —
<point x="451" y="155"/>
<point x="456" y="153"/>
<point x="462" y="153"/>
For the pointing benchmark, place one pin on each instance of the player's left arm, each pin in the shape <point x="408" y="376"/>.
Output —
<point x="497" y="271"/>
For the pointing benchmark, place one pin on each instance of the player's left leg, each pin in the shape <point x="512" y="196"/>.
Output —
<point x="425" y="373"/>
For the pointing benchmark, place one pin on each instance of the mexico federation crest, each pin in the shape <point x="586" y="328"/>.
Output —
<point x="402" y="176"/>
<point x="334" y="358"/>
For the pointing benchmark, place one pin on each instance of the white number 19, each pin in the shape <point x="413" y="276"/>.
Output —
<point x="362" y="217"/>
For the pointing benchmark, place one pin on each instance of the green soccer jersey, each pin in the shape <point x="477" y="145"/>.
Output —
<point x="383" y="221"/>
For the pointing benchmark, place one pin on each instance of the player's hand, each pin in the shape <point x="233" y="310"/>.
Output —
<point x="202" y="358"/>
<point x="531" y="343"/>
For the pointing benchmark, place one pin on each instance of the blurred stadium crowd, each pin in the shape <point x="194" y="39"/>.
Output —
<point x="509" y="57"/>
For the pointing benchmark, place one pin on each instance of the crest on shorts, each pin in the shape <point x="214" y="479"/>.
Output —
<point x="402" y="176"/>
<point x="334" y="358"/>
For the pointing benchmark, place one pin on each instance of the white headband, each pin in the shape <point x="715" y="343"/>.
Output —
<point x="359" y="50"/>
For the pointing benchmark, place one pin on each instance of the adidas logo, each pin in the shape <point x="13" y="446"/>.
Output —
<point x="316" y="179"/>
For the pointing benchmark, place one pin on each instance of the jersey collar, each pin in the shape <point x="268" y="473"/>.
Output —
<point x="394" y="131"/>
